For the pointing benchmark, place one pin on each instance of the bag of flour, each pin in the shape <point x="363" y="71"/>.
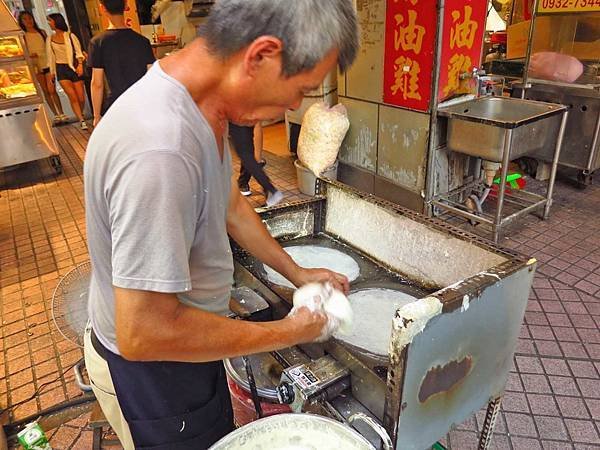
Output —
<point x="323" y="130"/>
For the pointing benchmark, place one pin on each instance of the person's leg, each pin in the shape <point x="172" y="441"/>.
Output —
<point x="244" y="181"/>
<point x="42" y="81"/>
<point x="55" y="99"/>
<point x="80" y="92"/>
<point x="258" y="143"/>
<point x="257" y="171"/>
<point x="104" y="390"/>
<point x="243" y="143"/>
<point x="69" y="89"/>
<point x="241" y="139"/>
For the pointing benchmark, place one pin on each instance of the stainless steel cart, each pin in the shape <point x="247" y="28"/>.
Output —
<point x="24" y="125"/>
<point x="501" y="129"/>
<point x="450" y="351"/>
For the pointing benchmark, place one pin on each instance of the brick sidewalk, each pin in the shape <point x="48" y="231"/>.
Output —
<point x="553" y="394"/>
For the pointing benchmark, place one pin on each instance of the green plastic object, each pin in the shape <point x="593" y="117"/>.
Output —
<point x="510" y="179"/>
<point x="438" y="446"/>
<point x="33" y="438"/>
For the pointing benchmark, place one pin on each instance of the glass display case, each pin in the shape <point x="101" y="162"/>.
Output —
<point x="10" y="47"/>
<point x="24" y="125"/>
<point x="562" y="65"/>
<point x="565" y="46"/>
<point x="16" y="81"/>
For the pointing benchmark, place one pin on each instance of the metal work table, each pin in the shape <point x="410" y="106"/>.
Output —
<point x="501" y="129"/>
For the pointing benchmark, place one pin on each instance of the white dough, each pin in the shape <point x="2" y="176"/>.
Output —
<point x="374" y="311"/>
<point x="314" y="256"/>
<point x="339" y="307"/>
<point x="322" y="297"/>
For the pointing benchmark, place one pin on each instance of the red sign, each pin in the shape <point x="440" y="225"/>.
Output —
<point x="409" y="44"/>
<point x="464" y="25"/>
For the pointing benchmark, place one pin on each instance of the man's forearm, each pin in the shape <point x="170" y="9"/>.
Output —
<point x="245" y="226"/>
<point x="173" y="331"/>
<point x="97" y="97"/>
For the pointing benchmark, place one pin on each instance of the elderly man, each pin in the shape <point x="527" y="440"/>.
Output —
<point x="160" y="208"/>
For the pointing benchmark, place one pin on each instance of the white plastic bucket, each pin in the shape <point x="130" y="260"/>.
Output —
<point x="306" y="179"/>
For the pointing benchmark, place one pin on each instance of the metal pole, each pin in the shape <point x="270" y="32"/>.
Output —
<point x="559" y="141"/>
<point x="594" y="147"/>
<point x="253" y="390"/>
<point x="505" y="162"/>
<point x="529" y="48"/>
<point x="433" y="107"/>
<point x="489" y="423"/>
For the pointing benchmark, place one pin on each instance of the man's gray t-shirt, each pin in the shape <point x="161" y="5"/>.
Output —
<point x="156" y="194"/>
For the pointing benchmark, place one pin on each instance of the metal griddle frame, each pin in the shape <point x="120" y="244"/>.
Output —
<point x="450" y="298"/>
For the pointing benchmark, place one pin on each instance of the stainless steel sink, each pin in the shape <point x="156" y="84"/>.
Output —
<point x="483" y="127"/>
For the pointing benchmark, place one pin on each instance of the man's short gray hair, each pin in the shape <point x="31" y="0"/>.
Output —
<point x="309" y="29"/>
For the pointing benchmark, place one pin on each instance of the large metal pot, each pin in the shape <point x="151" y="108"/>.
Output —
<point x="267" y="372"/>
<point x="296" y="432"/>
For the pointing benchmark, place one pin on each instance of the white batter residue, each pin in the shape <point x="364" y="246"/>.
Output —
<point x="313" y="257"/>
<point x="417" y="314"/>
<point x="284" y="432"/>
<point x="374" y="311"/>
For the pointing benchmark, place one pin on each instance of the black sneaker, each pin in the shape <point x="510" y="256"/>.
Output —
<point x="262" y="163"/>
<point x="245" y="190"/>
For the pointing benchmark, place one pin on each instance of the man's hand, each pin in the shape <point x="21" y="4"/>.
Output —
<point x="178" y="337"/>
<point x="79" y="69"/>
<point x="304" y="276"/>
<point x="306" y="325"/>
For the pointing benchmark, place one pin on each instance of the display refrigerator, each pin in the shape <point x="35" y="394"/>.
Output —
<point x="24" y="124"/>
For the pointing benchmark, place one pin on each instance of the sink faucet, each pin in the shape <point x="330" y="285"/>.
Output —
<point x="475" y="74"/>
<point x="486" y="84"/>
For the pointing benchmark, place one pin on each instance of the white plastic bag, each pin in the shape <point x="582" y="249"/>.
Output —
<point x="322" y="133"/>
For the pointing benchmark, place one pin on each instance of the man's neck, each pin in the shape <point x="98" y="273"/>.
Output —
<point x="205" y="86"/>
<point x="116" y="22"/>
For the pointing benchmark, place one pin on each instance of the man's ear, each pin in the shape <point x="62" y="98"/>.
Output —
<point x="263" y="50"/>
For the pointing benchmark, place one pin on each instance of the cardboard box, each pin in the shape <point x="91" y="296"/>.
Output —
<point x="585" y="28"/>
<point x="517" y="35"/>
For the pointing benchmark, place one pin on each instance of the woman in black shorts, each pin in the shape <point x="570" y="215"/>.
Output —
<point x="65" y="60"/>
<point x="35" y="38"/>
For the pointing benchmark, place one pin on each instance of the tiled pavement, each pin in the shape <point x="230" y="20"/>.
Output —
<point x="552" y="398"/>
<point x="553" y="394"/>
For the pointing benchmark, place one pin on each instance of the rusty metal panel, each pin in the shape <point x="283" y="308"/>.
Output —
<point x="365" y="78"/>
<point x="360" y="144"/>
<point x="402" y="147"/>
<point x="461" y="360"/>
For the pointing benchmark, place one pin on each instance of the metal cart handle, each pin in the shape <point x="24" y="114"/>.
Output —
<point x="79" y="378"/>
<point x="385" y="438"/>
